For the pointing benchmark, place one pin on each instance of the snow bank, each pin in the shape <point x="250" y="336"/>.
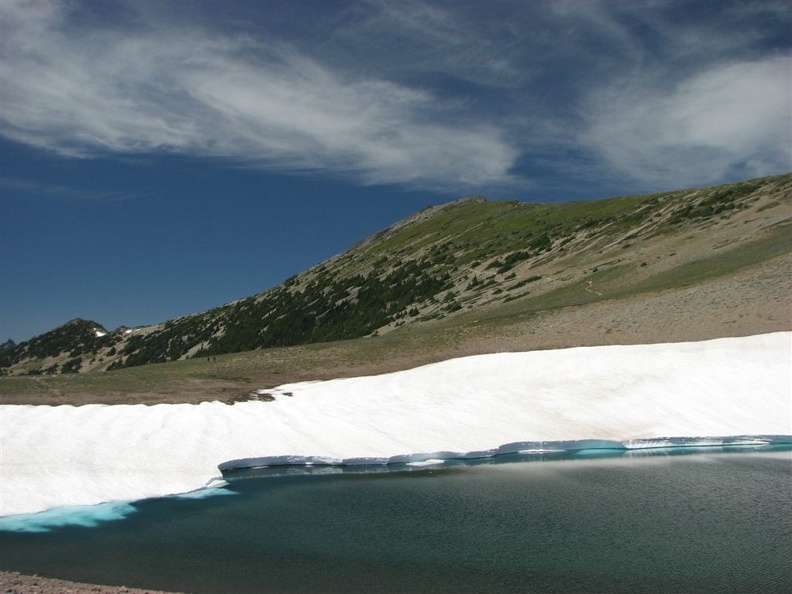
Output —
<point x="73" y="456"/>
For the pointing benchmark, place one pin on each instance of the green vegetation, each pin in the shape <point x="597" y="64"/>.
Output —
<point x="76" y="338"/>
<point x="469" y="257"/>
<point x="320" y="310"/>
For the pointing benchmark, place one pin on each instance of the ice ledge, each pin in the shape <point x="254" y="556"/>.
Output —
<point x="509" y="452"/>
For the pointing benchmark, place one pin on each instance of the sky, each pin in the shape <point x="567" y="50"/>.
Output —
<point x="162" y="158"/>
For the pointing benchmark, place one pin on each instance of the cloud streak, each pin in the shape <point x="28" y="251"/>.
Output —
<point x="192" y="92"/>
<point x="732" y="117"/>
<point x="456" y="97"/>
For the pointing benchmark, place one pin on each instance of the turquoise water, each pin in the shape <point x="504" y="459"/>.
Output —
<point x="697" y="523"/>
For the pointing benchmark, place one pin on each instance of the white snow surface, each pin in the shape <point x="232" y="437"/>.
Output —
<point x="66" y="455"/>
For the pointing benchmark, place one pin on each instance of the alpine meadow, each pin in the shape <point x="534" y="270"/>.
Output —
<point x="468" y="277"/>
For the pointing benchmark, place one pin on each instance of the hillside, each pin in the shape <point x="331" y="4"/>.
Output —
<point x="473" y="269"/>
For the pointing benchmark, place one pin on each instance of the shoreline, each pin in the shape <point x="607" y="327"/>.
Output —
<point x="12" y="582"/>
<point x="524" y="451"/>
<point x="467" y="404"/>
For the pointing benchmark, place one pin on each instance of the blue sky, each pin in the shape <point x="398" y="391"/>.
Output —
<point x="162" y="158"/>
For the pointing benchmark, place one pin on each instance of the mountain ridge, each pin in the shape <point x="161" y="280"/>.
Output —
<point x="469" y="257"/>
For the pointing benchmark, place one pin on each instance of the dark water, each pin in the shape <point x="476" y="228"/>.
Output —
<point x="701" y="523"/>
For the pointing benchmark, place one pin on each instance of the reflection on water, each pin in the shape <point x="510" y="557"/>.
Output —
<point x="699" y="523"/>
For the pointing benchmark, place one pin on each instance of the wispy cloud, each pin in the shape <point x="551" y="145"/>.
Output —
<point x="453" y="96"/>
<point x="17" y="186"/>
<point x="190" y="91"/>
<point x="732" y="117"/>
<point x="687" y="98"/>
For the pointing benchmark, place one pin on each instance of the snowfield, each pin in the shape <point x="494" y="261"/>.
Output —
<point x="67" y="456"/>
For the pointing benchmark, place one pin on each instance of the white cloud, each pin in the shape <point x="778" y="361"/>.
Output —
<point x="452" y="96"/>
<point x="456" y="40"/>
<point x="187" y="91"/>
<point x="736" y="116"/>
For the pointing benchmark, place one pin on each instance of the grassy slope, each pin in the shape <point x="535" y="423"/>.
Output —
<point x="623" y="270"/>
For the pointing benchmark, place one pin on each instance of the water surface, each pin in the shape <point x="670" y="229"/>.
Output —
<point x="699" y="523"/>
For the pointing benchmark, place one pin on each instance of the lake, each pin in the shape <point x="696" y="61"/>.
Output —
<point x="706" y="522"/>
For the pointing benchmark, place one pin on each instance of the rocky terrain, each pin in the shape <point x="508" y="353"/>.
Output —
<point x="15" y="583"/>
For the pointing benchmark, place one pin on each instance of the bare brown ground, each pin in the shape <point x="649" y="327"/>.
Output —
<point x="15" y="583"/>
